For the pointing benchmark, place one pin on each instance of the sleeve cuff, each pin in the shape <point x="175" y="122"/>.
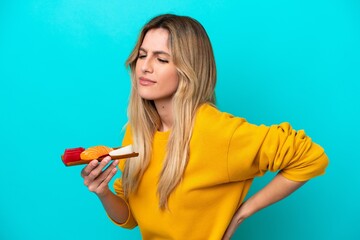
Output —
<point x="307" y="173"/>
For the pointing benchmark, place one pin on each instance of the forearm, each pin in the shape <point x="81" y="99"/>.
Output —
<point x="279" y="188"/>
<point x="116" y="207"/>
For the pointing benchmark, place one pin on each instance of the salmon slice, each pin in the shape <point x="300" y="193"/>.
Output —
<point x="95" y="152"/>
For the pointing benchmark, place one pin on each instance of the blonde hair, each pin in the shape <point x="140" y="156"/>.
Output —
<point x="194" y="59"/>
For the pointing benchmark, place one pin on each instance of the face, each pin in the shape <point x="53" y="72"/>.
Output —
<point x="155" y="72"/>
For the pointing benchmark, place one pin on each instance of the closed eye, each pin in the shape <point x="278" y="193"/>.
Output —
<point x="163" y="60"/>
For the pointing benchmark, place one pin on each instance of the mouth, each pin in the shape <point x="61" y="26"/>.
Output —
<point x="146" y="82"/>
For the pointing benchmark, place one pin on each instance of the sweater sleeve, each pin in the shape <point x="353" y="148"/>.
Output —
<point x="253" y="150"/>
<point x="130" y="222"/>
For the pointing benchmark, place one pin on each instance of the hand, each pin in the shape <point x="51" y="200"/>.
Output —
<point x="96" y="178"/>
<point x="235" y="222"/>
<point x="279" y="188"/>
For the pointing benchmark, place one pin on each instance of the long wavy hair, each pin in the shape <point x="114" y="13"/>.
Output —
<point x="193" y="57"/>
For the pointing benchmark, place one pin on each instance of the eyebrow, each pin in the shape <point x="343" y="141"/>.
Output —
<point x="155" y="52"/>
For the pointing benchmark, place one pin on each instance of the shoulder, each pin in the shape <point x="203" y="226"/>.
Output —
<point x="210" y="116"/>
<point x="210" y="120"/>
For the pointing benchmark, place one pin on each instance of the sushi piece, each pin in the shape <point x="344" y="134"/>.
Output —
<point x="77" y="156"/>
<point x="95" y="152"/>
<point x="72" y="155"/>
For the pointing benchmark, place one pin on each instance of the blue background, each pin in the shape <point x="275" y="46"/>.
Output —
<point x="64" y="84"/>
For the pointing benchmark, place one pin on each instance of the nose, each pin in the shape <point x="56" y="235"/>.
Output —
<point x="146" y="66"/>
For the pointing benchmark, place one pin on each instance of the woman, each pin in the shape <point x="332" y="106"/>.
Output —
<point x="195" y="164"/>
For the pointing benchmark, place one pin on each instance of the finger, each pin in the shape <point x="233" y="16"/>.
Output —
<point x="234" y="224"/>
<point x="95" y="172"/>
<point x="89" y="167"/>
<point x="111" y="167"/>
<point x="98" y="169"/>
<point x="230" y="230"/>
<point x="101" y="182"/>
<point x="102" y="176"/>
<point x="108" y="178"/>
<point x="228" y="233"/>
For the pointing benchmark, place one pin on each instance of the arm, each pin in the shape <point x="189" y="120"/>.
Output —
<point x="115" y="207"/>
<point x="97" y="180"/>
<point x="275" y="148"/>
<point x="279" y="188"/>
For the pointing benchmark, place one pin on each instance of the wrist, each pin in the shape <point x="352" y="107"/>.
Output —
<point x="246" y="210"/>
<point x="104" y="194"/>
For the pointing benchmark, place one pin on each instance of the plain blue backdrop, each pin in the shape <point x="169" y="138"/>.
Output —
<point x="64" y="84"/>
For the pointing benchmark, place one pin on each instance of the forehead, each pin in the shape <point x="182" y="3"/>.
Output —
<point x="156" y="40"/>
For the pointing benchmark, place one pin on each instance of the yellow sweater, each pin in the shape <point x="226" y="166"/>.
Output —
<point x="226" y="153"/>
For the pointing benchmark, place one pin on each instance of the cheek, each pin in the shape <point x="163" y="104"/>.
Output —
<point x="173" y="81"/>
<point x="137" y="69"/>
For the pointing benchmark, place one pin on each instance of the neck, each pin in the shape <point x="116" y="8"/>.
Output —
<point x="164" y="109"/>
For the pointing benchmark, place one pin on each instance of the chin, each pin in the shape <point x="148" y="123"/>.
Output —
<point x="148" y="97"/>
<point x="151" y="96"/>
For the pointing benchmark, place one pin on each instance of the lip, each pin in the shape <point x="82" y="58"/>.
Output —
<point x="146" y="82"/>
